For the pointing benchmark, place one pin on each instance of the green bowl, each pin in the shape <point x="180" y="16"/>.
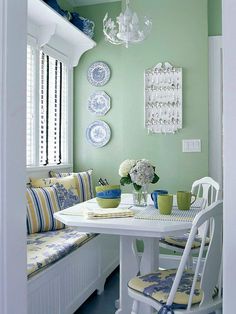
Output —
<point x="108" y="202"/>
<point x="101" y="188"/>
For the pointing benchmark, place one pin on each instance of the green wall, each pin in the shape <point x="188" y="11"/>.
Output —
<point x="180" y="36"/>
<point x="214" y="17"/>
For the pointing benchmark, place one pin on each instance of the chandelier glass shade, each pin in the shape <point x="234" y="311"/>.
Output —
<point x="127" y="29"/>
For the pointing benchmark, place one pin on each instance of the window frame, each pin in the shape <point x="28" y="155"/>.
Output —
<point x="52" y="51"/>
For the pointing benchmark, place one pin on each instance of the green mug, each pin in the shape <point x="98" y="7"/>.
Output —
<point x="184" y="200"/>
<point x="165" y="203"/>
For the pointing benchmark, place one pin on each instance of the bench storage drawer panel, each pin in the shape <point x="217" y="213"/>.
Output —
<point x="65" y="285"/>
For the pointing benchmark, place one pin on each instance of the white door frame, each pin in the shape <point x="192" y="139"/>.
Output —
<point x="215" y="159"/>
<point x="13" y="280"/>
<point x="229" y="149"/>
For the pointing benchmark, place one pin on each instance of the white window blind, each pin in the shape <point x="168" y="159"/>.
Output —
<point x="47" y="110"/>
<point x="52" y="122"/>
<point x="30" y="108"/>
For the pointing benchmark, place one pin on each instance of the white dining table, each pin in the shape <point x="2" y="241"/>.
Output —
<point x="128" y="229"/>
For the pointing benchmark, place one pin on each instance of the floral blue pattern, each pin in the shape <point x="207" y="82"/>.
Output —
<point x="66" y="197"/>
<point x="158" y="286"/>
<point x="46" y="248"/>
<point x="83" y="182"/>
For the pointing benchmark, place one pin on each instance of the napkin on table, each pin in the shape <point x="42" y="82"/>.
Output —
<point x="93" y="212"/>
<point x="108" y="213"/>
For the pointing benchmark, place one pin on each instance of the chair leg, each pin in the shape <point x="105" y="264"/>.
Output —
<point x="135" y="307"/>
<point x="190" y="262"/>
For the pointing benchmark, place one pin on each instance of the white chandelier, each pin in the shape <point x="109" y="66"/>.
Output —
<point x="126" y="29"/>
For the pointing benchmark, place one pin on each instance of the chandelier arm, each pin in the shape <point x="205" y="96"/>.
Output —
<point x="126" y="28"/>
<point x="110" y="39"/>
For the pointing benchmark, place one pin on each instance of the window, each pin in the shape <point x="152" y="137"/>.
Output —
<point x="47" y="108"/>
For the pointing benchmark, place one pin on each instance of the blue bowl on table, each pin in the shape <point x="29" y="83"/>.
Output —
<point x="109" y="194"/>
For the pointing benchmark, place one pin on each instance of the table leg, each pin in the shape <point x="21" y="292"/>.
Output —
<point x="150" y="257"/>
<point x="128" y="270"/>
<point x="149" y="263"/>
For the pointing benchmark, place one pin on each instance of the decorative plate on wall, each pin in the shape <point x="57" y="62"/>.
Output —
<point x="98" y="133"/>
<point x="99" y="73"/>
<point x="99" y="103"/>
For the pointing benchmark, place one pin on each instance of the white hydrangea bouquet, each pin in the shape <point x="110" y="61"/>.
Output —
<point x="138" y="172"/>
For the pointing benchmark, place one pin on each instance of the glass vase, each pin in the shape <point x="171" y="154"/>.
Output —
<point x="140" y="197"/>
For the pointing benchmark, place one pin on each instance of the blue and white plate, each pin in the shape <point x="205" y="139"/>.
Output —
<point x="98" y="133"/>
<point x="99" y="73"/>
<point x="99" y="103"/>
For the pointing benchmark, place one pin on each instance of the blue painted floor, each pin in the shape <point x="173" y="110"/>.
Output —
<point x="104" y="303"/>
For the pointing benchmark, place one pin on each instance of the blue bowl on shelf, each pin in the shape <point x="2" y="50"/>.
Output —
<point x="82" y="23"/>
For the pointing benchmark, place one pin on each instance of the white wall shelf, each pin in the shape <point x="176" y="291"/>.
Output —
<point x="49" y="27"/>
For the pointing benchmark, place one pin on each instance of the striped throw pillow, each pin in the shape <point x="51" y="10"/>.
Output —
<point x="69" y="183"/>
<point x="84" y="183"/>
<point x="42" y="203"/>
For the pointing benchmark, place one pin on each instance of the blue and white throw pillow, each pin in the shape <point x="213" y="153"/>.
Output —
<point x="66" y="197"/>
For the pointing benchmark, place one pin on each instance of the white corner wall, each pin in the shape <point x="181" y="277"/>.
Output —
<point x="13" y="18"/>
<point x="215" y="159"/>
<point x="229" y="149"/>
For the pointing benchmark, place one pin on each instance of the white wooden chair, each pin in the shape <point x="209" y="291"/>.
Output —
<point x="208" y="189"/>
<point x="182" y="291"/>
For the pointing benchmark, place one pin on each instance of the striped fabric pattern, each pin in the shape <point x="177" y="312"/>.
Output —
<point x="84" y="183"/>
<point x="69" y="182"/>
<point x="42" y="203"/>
<point x="85" y="188"/>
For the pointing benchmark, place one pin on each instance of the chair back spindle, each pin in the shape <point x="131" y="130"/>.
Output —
<point x="211" y="270"/>
<point x="208" y="189"/>
<point x="213" y="260"/>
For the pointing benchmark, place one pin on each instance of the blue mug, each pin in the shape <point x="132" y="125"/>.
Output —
<point x="154" y="196"/>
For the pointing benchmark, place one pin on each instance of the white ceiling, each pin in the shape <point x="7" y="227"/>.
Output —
<point x="76" y="3"/>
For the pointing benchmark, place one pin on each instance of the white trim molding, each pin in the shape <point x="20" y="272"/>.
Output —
<point x="13" y="30"/>
<point x="79" y="3"/>
<point x="50" y="28"/>
<point x="229" y="148"/>
<point x="215" y="160"/>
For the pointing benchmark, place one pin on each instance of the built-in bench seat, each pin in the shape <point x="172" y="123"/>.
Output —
<point x="46" y="248"/>
<point x="65" y="266"/>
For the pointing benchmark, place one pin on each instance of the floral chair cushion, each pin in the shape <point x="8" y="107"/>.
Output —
<point x="180" y="242"/>
<point x="42" y="203"/>
<point x="46" y="248"/>
<point x="83" y="181"/>
<point x="158" y="285"/>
